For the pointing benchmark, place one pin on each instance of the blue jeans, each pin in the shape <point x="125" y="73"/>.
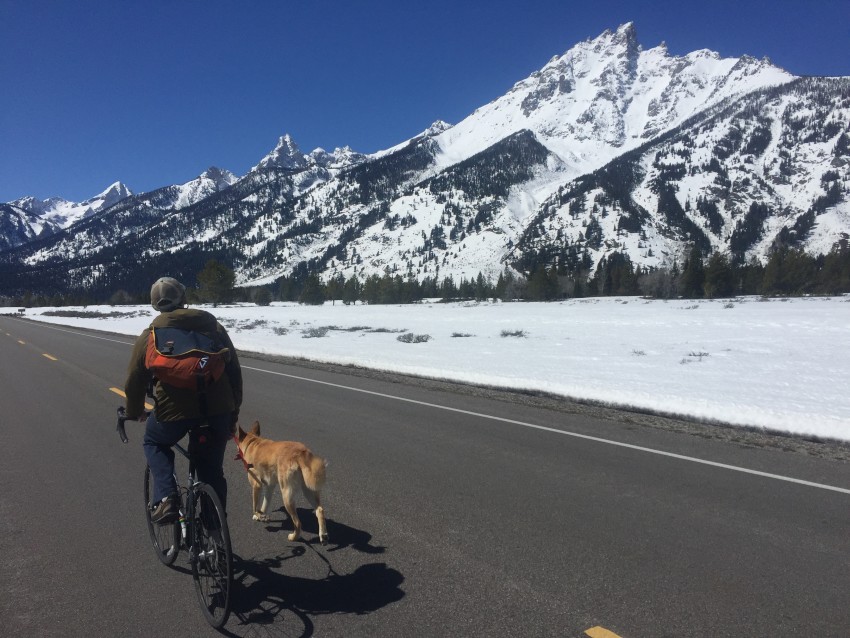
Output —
<point x="207" y="442"/>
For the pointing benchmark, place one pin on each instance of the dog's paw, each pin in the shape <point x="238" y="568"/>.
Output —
<point x="263" y="518"/>
<point x="323" y="539"/>
<point x="293" y="536"/>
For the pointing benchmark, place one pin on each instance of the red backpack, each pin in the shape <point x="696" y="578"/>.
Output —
<point x="185" y="358"/>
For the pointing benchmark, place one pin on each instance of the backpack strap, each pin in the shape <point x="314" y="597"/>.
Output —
<point x="149" y="390"/>
<point x="202" y="396"/>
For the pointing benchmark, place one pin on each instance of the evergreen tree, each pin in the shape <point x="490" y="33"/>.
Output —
<point x="448" y="290"/>
<point x="313" y="293"/>
<point x="388" y="290"/>
<point x="750" y="277"/>
<point x="334" y="288"/>
<point x="371" y="291"/>
<point x="288" y="289"/>
<point x="693" y="275"/>
<point x="718" y="277"/>
<point x="499" y="292"/>
<point x="771" y="282"/>
<point x="788" y="272"/>
<point x="554" y="286"/>
<point x="607" y="281"/>
<point x="215" y="283"/>
<point x="834" y="277"/>
<point x="540" y="284"/>
<point x="482" y="288"/>
<point x="466" y="289"/>
<point x="351" y="291"/>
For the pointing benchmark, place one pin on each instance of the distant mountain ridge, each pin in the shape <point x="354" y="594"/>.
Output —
<point x="608" y="148"/>
<point x="53" y="213"/>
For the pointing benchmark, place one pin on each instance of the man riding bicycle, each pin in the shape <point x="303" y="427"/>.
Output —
<point x="181" y="410"/>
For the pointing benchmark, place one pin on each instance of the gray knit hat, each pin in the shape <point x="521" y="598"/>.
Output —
<point x="167" y="294"/>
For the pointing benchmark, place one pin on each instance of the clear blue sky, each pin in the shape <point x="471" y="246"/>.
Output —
<point x="153" y="92"/>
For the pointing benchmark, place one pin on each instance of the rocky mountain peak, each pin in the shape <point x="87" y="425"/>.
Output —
<point x="285" y="154"/>
<point x="112" y="195"/>
<point x="219" y="176"/>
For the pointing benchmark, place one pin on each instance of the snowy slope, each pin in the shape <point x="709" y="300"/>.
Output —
<point x="606" y="96"/>
<point x="17" y="226"/>
<point x="768" y="169"/>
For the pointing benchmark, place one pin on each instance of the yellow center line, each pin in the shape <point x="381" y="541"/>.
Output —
<point x="49" y="356"/>
<point x="120" y="393"/>
<point x="600" y="632"/>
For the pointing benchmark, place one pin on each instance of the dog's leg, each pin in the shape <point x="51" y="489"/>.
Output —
<point x="289" y="506"/>
<point x="256" y="488"/>
<point x="315" y="500"/>
<point x="262" y="499"/>
<point x="260" y="492"/>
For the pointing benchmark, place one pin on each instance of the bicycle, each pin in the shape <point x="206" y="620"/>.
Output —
<point x="201" y="530"/>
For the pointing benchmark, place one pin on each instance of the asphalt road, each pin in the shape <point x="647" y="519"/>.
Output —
<point x="450" y="513"/>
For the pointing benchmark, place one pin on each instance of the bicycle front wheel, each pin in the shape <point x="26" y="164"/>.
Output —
<point x="164" y="538"/>
<point x="212" y="559"/>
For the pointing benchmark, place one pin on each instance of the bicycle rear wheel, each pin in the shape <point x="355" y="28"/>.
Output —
<point x="164" y="538"/>
<point x="212" y="559"/>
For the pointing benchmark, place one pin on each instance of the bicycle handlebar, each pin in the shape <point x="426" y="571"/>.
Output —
<point x="122" y="417"/>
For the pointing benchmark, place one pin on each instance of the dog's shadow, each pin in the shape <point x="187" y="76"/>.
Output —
<point x="267" y="598"/>
<point x="262" y="588"/>
<point x="340" y="536"/>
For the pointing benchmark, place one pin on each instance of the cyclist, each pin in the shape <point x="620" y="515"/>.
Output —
<point x="178" y="410"/>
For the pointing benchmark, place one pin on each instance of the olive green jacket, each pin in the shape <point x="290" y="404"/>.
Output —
<point x="175" y="404"/>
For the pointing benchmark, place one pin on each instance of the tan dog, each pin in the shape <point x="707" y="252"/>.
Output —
<point x="289" y="464"/>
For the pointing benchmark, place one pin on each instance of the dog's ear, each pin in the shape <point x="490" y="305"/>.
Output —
<point x="240" y="433"/>
<point x="255" y="429"/>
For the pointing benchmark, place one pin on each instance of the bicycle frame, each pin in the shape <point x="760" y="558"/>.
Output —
<point x="188" y="497"/>
<point x="189" y="502"/>
<point x="207" y="541"/>
<point x="187" y="506"/>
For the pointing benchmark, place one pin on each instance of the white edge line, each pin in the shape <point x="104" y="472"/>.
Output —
<point x="544" y="428"/>
<point x="84" y="334"/>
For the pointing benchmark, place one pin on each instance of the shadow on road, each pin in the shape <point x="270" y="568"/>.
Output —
<point x="340" y="536"/>
<point x="268" y="602"/>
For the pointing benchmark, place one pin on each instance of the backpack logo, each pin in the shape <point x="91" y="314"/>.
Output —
<point x="202" y="362"/>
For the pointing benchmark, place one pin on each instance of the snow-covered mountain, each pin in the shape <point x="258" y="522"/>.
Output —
<point x="208" y="183"/>
<point x="17" y="226"/>
<point x="609" y="147"/>
<point x="286" y="155"/>
<point x="765" y="170"/>
<point x="606" y="96"/>
<point x="54" y="212"/>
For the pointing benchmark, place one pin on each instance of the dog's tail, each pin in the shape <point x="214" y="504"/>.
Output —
<point x="313" y="470"/>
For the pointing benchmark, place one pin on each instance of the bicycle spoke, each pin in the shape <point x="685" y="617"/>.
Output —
<point x="212" y="566"/>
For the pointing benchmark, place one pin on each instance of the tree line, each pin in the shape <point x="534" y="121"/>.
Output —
<point x="788" y="271"/>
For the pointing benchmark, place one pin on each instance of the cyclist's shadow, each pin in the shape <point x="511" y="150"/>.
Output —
<point x="265" y="595"/>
